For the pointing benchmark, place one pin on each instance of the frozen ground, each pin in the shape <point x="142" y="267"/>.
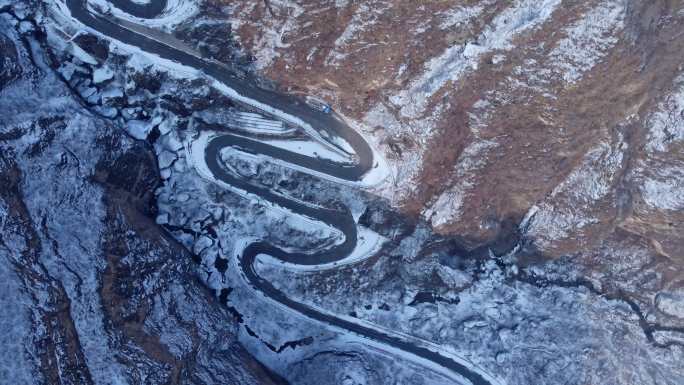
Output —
<point x="100" y="259"/>
<point x="175" y="13"/>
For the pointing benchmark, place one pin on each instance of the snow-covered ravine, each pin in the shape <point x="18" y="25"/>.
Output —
<point x="325" y="129"/>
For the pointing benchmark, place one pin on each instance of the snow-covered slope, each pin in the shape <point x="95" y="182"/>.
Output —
<point x="93" y="292"/>
<point x="530" y="224"/>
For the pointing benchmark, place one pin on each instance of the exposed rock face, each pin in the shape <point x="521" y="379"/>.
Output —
<point x="93" y="290"/>
<point x="487" y="108"/>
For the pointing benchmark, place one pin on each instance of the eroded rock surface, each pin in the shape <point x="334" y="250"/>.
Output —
<point x="93" y="291"/>
<point x="531" y="222"/>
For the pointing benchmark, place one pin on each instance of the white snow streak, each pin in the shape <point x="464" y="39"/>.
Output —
<point x="666" y="125"/>
<point x="588" y="40"/>
<point x="523" y="16"/>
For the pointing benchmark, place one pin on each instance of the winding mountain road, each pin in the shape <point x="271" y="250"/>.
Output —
<point x="337" y="217"/>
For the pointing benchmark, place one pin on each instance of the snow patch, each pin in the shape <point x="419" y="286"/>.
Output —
<point x="249" y="121"/>
<point x="667" y="191"/>
<point x="102" y="74"/>
<point x="461" y="15"/>
<point x="273" y="36"/>
<point x="671" y="303"/>
<point x="175" y="13"/>
<point x="309" y="148"/>
<point x="522" y="16"/>
<point x="448" y="206"/>
<point x="569" y="206"/>
<point x="140" y="129"/>
<point x="588" y="40"/>
<point x="666" y="125"/>
<point x="364" y="17"/>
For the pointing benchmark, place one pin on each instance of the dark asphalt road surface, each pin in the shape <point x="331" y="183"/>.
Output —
<point x="337" y="217"/>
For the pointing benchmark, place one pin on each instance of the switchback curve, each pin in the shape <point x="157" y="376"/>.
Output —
<point x="337" y="217"/>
